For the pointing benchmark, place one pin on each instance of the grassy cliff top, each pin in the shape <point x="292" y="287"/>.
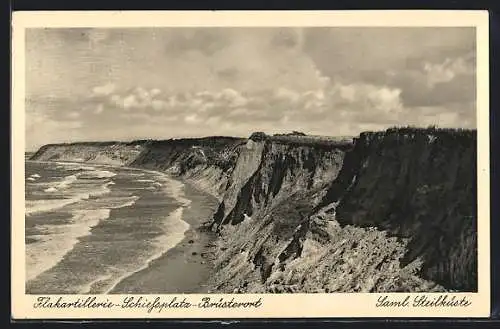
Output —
<point x="294" y="138"/>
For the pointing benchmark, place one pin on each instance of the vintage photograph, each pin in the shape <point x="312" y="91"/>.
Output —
<point x="222" y="164"/>
<point x="250" y="160"/>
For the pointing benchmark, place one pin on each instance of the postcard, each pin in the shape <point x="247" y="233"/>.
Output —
<point x="240" y="164"/>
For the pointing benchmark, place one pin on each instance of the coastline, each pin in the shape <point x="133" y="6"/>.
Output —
<point x="185" y="268"/>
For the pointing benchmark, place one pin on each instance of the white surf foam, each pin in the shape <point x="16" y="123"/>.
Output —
<point x="31" y="179"/>
<point x="129" y="202"/>
<point x="145" y="180"/>
<point x="107" y="203"/>
<point x="66" y="182"/>
<point x="64" y="164"/>
<point x="87" y="289"/>
<point x="96" y="174"/>
<point x="103" y="174"/>
<point x="40" y="206"/>
<point x="51" y="248"/>
<point x="68" y="166"/>
<point x="175" y="228"/>
<point x="76" y="168"/>
<point x="35" y="176"/>
<point x="101" y="191"/>
<point x="60" y="185"/>
<point x="175" y="189"/>
<point x="135" y="174"/>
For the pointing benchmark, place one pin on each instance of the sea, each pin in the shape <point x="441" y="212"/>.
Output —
<point x="87" y="227"/>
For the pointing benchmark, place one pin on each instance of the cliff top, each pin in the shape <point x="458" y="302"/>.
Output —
<point x="301" y="139"/>
<point x="432" y="130"/>
<point x="191" y="140"/>
<point x="294" y="138"/>
<point x="429" y="133"/>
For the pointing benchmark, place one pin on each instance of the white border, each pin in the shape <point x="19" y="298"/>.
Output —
<point x="274" y="305"/>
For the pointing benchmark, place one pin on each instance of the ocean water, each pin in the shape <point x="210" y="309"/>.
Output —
<point x="87" y="227"/>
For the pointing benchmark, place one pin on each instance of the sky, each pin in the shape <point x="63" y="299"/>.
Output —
<point x="159" y="83"/>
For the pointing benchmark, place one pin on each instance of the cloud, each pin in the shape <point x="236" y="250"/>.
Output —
<point x="438" y="83"/>
<point x="158" y="105"/>
<point x="192" y="119"/>
<point x="357" y="51"/>
<point x="448" y="70"/>
<point x="99" y="109"/>
<point x="138" y="98"/>
<point x="358" y="102"/>
<point x="426" y="83"/>
<point x="142" y="99"/>
<point x="335" y="108"/>
<point x="41" y="128"/>
<point x="164" y="82"/>
<point x="130" y="101"/>
<point x="155" y="92"/>
<point x="350" y="105"/>
<point x="333" y="101"/>
<point x="292" y="38"/>
<point x="104" y="90"/>
<point x="73" y="115"/>
<point x="431" y="66"/>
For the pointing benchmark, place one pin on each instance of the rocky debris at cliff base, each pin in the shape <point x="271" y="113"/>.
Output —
<point x="354" y="260"/>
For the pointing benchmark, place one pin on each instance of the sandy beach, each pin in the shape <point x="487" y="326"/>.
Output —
<point x="186" y="267"/>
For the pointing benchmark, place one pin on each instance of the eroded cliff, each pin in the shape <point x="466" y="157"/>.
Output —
<point x="112" y="153"/>
<point x="396" y="212"/>
<point x="205" y="162"/>
<point x="387" y="211"/>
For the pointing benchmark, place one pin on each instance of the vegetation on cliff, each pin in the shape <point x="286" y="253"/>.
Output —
<point x="409" y="190"/>
<point x="386" y="211"/>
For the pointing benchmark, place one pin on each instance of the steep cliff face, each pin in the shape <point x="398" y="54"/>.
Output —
<point x="387" y="211"/>
<point x="421" y="186"/>
<point x="269" y="170"/>
<point x="205" y="162"/>
<point x="397" y="212"/>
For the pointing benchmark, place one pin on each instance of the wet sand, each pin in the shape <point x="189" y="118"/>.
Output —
<point x="187" y="267"/>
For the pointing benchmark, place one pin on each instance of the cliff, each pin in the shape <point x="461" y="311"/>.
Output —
<point x="386" y="211"/>
<point x="112" y="153"/>
<point x="205" y="162"/>
<point x="420" y="186"/>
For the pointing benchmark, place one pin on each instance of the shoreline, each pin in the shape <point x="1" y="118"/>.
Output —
<point x="184" y="268"/>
